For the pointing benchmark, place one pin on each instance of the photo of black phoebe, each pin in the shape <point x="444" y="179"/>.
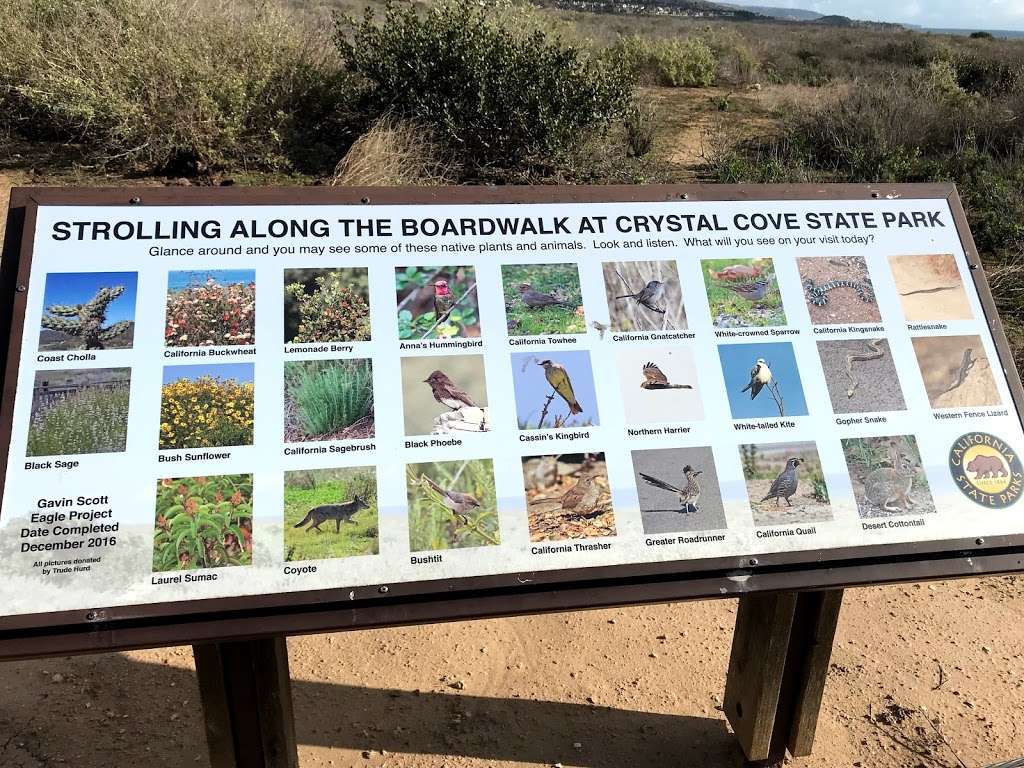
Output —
<point x="447" y="393"/>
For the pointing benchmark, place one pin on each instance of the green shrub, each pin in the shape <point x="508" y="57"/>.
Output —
<point x="329" y="395"/>
<point x="493" y="96"/>
<point x="666" y="61"/>
<point x="335" y="310"/>
<point x="170" y="84"/>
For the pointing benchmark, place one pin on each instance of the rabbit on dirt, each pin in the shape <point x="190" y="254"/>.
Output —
<point x="887" y="486"/>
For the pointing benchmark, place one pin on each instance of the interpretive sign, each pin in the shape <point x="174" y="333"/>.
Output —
<point x="310" y="409"/>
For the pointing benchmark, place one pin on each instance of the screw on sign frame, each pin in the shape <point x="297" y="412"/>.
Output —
<point x="784" y="632"/>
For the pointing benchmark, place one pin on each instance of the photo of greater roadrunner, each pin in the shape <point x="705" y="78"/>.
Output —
<point x="786" y="483"/>
<point x="689" y="492"/>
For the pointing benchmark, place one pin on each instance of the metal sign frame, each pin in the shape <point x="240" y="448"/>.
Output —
<point x="216" y="619"/>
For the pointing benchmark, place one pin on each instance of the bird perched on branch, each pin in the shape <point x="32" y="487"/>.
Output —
<point x="760" y="377"/>
<point x="447" y="393"/>
<point x="559" y="379"/>
<point x="689" y="494"/>
<point x="750" y="291"/>
<point x="443" y="299"/>
<point x="655" y="379"/>
<point x="459" y="504"/>
<point x="649" y="296"/>
<point x="537" y="300"/>
<point x="581" y="499"/>
<point x="785" y="484"/>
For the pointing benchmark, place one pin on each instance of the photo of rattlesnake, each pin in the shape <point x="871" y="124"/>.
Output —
<point x="875" y="345"/>
<point x="818" y="294"/>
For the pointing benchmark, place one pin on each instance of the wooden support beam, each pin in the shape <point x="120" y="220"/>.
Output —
<point x="781" y="649"/>
<point x="247" y="703"/>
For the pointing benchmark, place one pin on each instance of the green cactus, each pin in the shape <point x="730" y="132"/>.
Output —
<point x="86" y="320"/>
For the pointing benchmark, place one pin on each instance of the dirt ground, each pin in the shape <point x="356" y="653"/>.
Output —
<point x="921" y="675"/>
<point x="805" y="508"/>
<point x="943" y="359"/>
<point x="878" y="384"/>
<point x="930" y="288"/>
<point x="844" y="305"/>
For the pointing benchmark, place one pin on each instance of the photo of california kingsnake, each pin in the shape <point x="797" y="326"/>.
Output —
<point x="818" y="294"/>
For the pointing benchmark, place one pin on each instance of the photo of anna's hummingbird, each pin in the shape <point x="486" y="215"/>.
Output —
<point x="443" y="300"/>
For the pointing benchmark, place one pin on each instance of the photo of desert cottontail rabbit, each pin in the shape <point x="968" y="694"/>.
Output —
<point x="887" y="486"/>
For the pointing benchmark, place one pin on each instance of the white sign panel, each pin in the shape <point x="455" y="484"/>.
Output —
<point x="220" y="401"/>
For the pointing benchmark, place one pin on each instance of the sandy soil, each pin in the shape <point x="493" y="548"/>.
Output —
<point x="878" y="385"/>
<point x="844" y="305"/>
<point x="805" y="508"/>
<point x="930" y="288"/>
<point x="942" y="359"/>
<point x="921" y="676"/>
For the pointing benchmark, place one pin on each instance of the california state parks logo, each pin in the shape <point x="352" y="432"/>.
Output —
<point x="986" y="469"/>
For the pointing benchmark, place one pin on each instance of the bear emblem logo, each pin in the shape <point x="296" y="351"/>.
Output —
<point x="986" y="469"/>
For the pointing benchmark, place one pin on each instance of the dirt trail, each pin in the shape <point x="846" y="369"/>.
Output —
<point x="921" y="676"/>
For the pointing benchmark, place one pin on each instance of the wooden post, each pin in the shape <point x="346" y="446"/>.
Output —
<point x="781" y="649"/>
<point x="247" y="703"/>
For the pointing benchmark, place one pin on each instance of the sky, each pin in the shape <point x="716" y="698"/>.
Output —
<point x="241" y="372"/>
<point x="532" y="388"/>
<point x="79" y="287"/>
<point x="178" y="280"/>
<point x="950" y="14"/>
<point x="738" y="359"/>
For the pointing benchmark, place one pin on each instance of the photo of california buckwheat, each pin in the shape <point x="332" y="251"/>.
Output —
<point x="211" y="308"/>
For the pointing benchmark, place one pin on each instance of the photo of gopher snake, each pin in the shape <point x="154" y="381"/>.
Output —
<point x="818" y="294"/>
<point x="875" y="345"/>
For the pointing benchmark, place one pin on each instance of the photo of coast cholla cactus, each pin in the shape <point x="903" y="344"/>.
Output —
<point x="211" y="308"/>
<point x="79" y="411"/>
<point x="88" y="310"/>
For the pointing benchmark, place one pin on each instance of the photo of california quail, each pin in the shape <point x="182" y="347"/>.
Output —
<point x="786" y="483"/>
<point x="785" y="472"/>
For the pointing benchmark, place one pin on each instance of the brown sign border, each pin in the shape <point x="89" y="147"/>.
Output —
<point x="149" y="625"/>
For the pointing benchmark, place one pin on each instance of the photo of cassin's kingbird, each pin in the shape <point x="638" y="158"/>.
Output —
<point x="554" y="390"/>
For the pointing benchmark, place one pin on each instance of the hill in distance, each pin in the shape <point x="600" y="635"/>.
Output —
<point x="786" y="14"/>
